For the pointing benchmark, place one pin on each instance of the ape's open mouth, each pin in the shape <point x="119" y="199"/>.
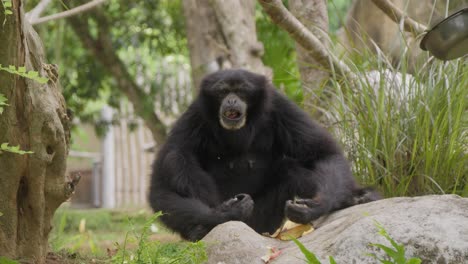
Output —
<point x="232" y="114"/>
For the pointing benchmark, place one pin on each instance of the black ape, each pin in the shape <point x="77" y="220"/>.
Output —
<point x="242" y="151"/>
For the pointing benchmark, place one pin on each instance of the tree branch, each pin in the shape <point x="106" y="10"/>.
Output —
<point x="36" y="12"/>
<point x="397" y="15"/>
<point x="68" y="13"/>
<point x="284" y="19"/>
<point x="102" y="49"/>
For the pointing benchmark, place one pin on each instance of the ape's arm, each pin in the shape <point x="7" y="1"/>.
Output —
<point x="188" y="196"/>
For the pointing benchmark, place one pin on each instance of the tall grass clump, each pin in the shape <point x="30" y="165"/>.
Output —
<point x="405" y="133"/>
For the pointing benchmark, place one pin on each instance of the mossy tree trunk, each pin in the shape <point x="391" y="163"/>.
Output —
<point x="32" y="186"/>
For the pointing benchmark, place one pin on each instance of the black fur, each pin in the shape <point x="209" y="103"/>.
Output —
<point x="205" y="175"/>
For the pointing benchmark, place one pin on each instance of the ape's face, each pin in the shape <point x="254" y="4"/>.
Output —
<point x="232" y="111"/>
<point x="232" y="97"/>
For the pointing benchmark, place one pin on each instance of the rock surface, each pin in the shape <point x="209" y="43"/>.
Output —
<point x="433" y="228"/>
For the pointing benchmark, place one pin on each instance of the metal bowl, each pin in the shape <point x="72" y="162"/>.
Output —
<point x="448" y="39"/>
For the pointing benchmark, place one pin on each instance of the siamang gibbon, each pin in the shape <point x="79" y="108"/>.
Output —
<point x="243" y="151"/>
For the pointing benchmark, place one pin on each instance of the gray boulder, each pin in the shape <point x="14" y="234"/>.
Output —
<point x="433" y="228"/>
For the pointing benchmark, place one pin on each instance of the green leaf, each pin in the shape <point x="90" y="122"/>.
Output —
<point x="33" y="74"/>
<point x="42" y="80"/>
<point x="3" y="101"/>
<point x="13" y="149"/>
<point x="21" y="71"/>
<point x="332" y="260"/>
<point x="1" y="213"/>
<point x="311" y="258"/>
<point x="390" y="252"/>
<point x="413" y="261"/>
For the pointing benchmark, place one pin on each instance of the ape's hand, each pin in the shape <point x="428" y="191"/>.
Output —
<point x="303" y="211"/>
<point x="238" y="208"/>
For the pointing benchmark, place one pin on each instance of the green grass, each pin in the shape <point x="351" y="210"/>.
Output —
<point x="124" y="236"/>
<point x="408" y="140"/>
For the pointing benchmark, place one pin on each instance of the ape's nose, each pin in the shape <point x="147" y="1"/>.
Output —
<point x="231" y="101"/>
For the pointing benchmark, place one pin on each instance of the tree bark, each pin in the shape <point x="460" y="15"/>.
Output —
<point x="31" y="186"/>
<point x="221" y="34"/>
<point x="314" y="16"/>
<point x="102" y="49"/>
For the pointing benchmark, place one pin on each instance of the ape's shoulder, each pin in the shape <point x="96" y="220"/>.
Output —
<point x="284" y="110"/>
<point x="298" y="132"/>
<point x="190" y="128"/>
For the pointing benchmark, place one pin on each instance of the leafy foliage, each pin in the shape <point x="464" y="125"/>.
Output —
<point x="280" y="56"/>
<point x="21" y="71"/>
<point x="7" y="5"/>
<point x="144" y="34"/>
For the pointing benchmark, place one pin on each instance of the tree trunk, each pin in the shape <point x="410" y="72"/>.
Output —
<point x="32" y="186"/>
<point x="313" y="15"/>
<point x="221" y="34"/>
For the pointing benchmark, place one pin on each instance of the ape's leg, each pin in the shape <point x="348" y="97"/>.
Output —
<point x="193" y="219"/>
<point x="334" y="188"/>
<point x="303" y="194"/>
<point x="288" y="180"/>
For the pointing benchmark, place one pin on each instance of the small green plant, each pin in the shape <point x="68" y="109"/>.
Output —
<point x="310" y="256"/>
<point x="13" y="149"/>
<point x="396" y="254"/>
<point x="21" y="71"/>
